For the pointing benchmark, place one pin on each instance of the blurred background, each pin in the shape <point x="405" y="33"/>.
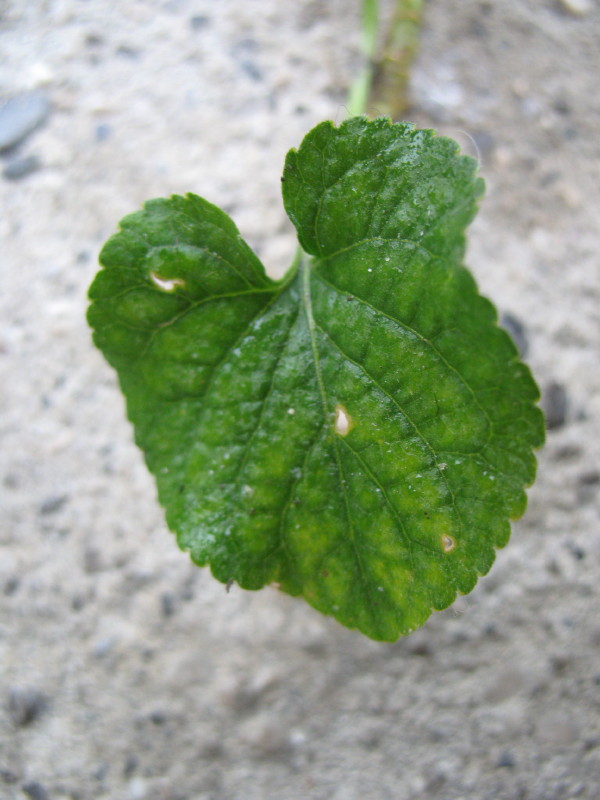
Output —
<point x="128" y="674"/>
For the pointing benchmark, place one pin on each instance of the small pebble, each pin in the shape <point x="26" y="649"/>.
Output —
<point x="188" y="591"/>
<point x="506" y="683"/>
<point x="199" y="22"/>
<point x="587" y="487"/>
<point x="313" y="640"/>
<point x="168" y="604"/>
<point x="243" y="52"/>
<point x="20" y="115"/>
<point x="506" y="760"/>
<point x="93" y="40"/>
<point x="516" y="329"/>
<point x="266" y="735"/>
<point x="92" y="561"/>
<point x="127" y="52"/>
<point x="562" y="107"/>
<point x="11" y="481"/>
<point x="130" y="766"/>
<point x="567" y="452"/>
<point x="103" y="132"/>
<point x="103" y="647"/>
<point x="578" y="8"/>
<point x="137" y="789"/>
<point x="560" y="663"/>
<point x="558" y="729"/>
<point x="577" y="552"/>
<point x="554" y="403"/>
<point x="101" y="771"/>
<point x="419" y="645"/>
<point x="236" y="693"/>
<point x="592" y="742"/>
<point x="210" y="748"/>
<point x="252" y="70"/>
<point x="25" y="705"/>
<point x="485" y="143"/>
<point x="158" y="717"/>
<point x="77" y="602"/>
<point x="21" y="167"/>
<point x="53" y="503"/>
<point x="11" y="585"/>
<point x="371" y="737"/>
<point x="590" y="478"/>
<point x="35" y="791"/>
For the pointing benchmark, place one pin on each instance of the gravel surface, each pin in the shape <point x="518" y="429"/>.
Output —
<point x="125" y="672"/>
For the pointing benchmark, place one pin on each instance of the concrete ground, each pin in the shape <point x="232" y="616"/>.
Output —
<point x="125" y="672"/>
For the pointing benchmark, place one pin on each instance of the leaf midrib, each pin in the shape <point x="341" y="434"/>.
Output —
<point x="307" y="303"/>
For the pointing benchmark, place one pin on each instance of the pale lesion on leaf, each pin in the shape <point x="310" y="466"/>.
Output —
<point x="343" y="422"/>
<point x="167" y="284"/>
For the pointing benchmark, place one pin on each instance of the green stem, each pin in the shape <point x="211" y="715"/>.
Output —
<point x="358" y="96"/>
<point x="382" y="85"/>
<point x="389" y="89"/>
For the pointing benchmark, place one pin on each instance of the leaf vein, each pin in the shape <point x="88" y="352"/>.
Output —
<point x="425" y="341"/>
<point x="311" y="327"/>
<point x="409" y="419"/>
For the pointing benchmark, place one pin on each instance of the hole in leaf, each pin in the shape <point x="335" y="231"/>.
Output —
<point x="343" y="421"/>
<point x="448" y="543"/>
<point x="166" y="284"/>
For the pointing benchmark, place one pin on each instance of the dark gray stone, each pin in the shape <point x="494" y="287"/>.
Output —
<point x="11" y="585"/>
<point x="25" y="705"/>
<point x="8" y="776"/>
<point x="419" y="645"/>
<point x="485" y="142"/>
<point x="130" y="766"/>
<point x="589" y="478"/>
<point x="554" y="403"/>
<point x="199" y="22"/>
<point x="103" y="647"/>
<point x="513" y="326"/>
<point x="252" y="70"/>
<point x="53" y="503"/>
<point x="506" y="760"/>
<point x="20" y="167"/>
<point x="77" y="602"/>
<point x="243" y="53"/>
<point x="103" y="132"/>
<point x="588" y="487"/>
<point x="577" y="552"/>
<point x="94" y="40"/>
<point x="20" y="115"/>
<point x="101" y="771"/>
<point x="168" y="604"/>
<point x="127" y="52"/>
<point x="35" y="791"/>
<point x="92" y="560"/>
<point x="567" y="452"/>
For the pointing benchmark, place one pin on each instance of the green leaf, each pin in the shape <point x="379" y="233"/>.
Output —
<point x="359" y="433"/>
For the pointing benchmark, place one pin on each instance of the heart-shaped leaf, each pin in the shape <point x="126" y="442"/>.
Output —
<point x="359" y="433"/>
